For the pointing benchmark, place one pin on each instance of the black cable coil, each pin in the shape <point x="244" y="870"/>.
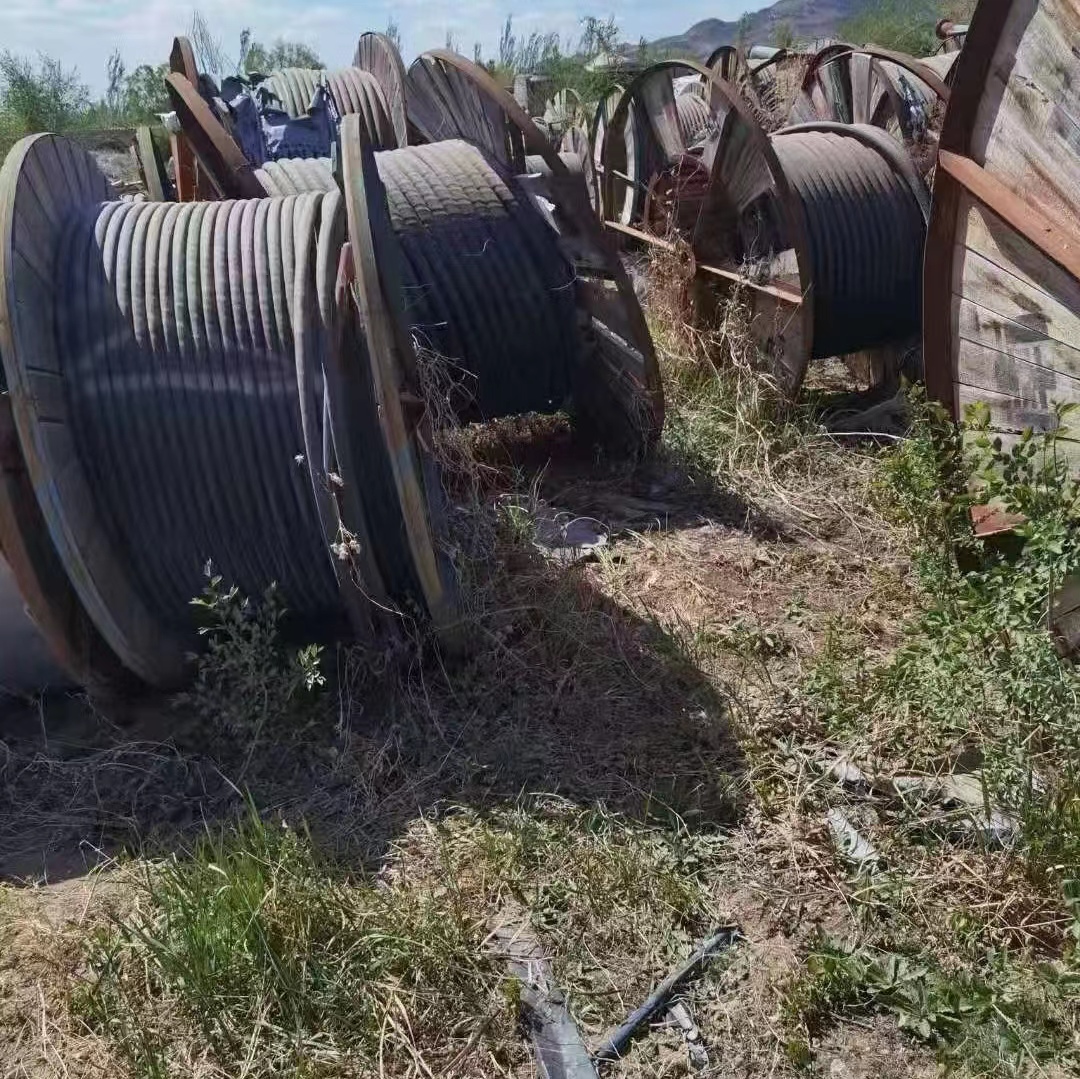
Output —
<point x="857" y="204"/>
<point x="188" y="330"/>
<point x="484" y="277"/>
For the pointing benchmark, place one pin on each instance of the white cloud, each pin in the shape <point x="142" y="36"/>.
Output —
<point x="82" y="33"/>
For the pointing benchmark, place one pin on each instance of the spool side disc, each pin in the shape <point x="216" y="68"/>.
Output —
<point x="377" y="54"/>
<point x="44" y="180"/>
<point x="752" y="231"/>
<point x="390" y="358"/>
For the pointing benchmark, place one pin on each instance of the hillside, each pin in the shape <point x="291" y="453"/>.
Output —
<point x="808" y="19"/>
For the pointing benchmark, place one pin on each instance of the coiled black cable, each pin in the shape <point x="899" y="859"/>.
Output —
<point x="486" y="286"/>
<point x="866" y="229"/>
<point x="185" y="331"/>
<point x="353" y="91"/>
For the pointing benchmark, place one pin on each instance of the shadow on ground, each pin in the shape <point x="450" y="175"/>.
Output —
<point x="561" y="690"/>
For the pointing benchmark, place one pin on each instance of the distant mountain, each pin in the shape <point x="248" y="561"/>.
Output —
<point x="809" y="20"/>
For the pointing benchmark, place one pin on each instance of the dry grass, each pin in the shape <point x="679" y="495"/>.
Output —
<point x="627" y="753"/>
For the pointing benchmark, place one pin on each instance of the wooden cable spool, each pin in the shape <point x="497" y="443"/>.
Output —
<point x="451" y="97"/>
<point x="890" y="90"/>
<point x="1001" y="302"/>
<point x="174" y="373"/>
<point x="373" y="87"/>
<point x="1001" y="306"/>
<point x="375" y="92"/>
<point x="482" y="266"/>
<point x="659" y="166"/>
<point x="820" y="227"/>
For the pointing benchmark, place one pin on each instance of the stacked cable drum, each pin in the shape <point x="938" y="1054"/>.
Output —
<point x="170" y="368"/>
<point x="355" y="92"/>
<point x="485" y="286"/>
<point x="820" y="228"/>
<point x="866" y="228"/>
<point x="483" y="277"/>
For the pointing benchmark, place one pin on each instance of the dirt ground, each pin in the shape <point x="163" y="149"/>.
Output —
<point x="573" y="693"/>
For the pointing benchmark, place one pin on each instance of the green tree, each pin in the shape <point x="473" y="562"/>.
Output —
<point x="45" y="97"/>
<point x="393" y="32"/>
<point x="903" y="25"/>
<point x="282" y="54"/>
<point x="783" y="34"/>
<point x="144" y="92"/>
<point x="743" y="28"/>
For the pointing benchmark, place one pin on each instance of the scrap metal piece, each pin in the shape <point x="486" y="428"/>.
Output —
<point x="557" y="1043"/>
<point x="615" y="1042"/>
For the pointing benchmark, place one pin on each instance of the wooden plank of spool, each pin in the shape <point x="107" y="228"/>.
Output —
<point x="378" y="55"/>
<point x="1001" y="306"/>
<point x="28" y="348"/>
<point x="1002" y="282"/>
<point x="219" y="157"/>
<point x="185" y="171"/>
<point x="391" y="363"/>
<point x="152" y="168"/>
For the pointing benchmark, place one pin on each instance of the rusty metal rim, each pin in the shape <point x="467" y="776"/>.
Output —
<point x="970" y="74"/>
<point x="582" y="214"/>
<point x="213" y="146"/>
<point x="832" y="53"/>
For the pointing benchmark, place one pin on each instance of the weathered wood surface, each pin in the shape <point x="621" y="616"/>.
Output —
<point x="1002" y="305"/>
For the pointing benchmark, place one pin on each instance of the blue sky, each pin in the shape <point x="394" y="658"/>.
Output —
<point x="82" y="33"/>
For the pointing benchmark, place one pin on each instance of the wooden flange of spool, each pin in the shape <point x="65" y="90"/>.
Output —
<point x="850" y="85"/>
<point x="185" y="168"/>
<point x="451" y="97"/>
<point x="624" y="151"/>
<point x="1001" y="302"/>
<point x="648" y="107"/>
<point x="748" y="191"/>
<point x="43" y="181"/>
<point x="220" y="160"/>
<point x="378" y="55"/>
<point x="389" y="361"/>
